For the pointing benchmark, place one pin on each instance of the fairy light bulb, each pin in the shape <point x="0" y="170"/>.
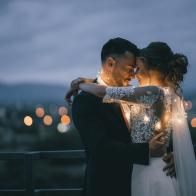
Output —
<point x="167" y="90"/>
<point x="158" y="126"/>
<point x="146" y="118"/>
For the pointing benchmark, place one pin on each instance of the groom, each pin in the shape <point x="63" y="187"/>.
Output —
<point x="105" y="128"/>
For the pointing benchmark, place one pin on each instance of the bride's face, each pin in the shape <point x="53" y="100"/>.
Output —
<point x="142" y="72"/>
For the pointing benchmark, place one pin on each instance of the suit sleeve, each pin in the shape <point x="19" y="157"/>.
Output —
<point x="95" y="138"/>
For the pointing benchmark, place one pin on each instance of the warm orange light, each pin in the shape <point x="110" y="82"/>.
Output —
<point x="39" y="112"/>
<point x="28" y="121"/>
<point x="63" y="110"/>
<point x="47" y="120"/>
<point x="193" y="122"/>
<point x="65" y="119"/>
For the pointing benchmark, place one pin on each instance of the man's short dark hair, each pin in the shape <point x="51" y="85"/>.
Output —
<point x="117" y="46"/>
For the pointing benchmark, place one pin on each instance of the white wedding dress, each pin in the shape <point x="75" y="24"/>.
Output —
<point x="150" y="110"/>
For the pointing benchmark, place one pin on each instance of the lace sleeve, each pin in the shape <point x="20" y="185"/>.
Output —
<point x="142" y="95"/>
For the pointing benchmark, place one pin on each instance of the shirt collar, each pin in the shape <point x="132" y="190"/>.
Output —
<point x="100" y="81"/>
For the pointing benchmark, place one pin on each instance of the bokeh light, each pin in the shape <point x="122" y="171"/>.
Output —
<point x="63" y="110"/>
<point x="187" y="105"/>
<point x="193" y="122"/>
<point x="47" y="120"/>
<point x="39" y="112"/>
<point x="28" y="121"/>
<point x="62" y="128"/>
<point x="146" y="118"/>
<point x="65" y="119"/>
<point x="158" y="126"/>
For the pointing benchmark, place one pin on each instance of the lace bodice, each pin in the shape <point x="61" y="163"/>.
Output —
<point x="148" y="108"/>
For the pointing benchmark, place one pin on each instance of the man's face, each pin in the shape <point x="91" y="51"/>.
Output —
<point x="123" y="69"/>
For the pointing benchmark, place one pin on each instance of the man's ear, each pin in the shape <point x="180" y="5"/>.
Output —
<point x="110" y="62"/>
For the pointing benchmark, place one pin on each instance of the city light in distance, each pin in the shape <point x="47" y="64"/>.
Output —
<point x="65" y="119"/>
<point x="187" y="105"/>
<point x="193" y="122"/>
<point x="63" y="110"/>
<point x="39" y="112"/>
<point x="62" y="128"/>
<point x="47" y="120"/>
<point x="28" y="121"/>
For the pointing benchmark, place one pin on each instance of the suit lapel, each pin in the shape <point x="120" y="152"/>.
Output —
<point x="116" y="109"/>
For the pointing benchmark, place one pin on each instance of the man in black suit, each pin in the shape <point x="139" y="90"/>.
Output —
<point x="104" y="128"/>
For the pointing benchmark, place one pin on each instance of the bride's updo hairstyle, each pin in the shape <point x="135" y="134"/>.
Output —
<point x="159" y="56"/>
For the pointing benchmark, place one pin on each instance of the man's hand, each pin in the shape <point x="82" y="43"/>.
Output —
<point x="170" y="167"/>
<point x="157" y="145"/>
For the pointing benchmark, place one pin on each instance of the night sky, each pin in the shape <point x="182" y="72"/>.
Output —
<point x="55" y="41"/>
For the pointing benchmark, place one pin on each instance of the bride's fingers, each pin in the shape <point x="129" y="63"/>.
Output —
<point x="69" y="94"/>
<point x="75" y="83"/>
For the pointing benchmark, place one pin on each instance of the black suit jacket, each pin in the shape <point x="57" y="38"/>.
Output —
<point x="106" y="139"/>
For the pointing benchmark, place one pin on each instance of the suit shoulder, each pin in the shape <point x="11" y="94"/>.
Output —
<point x="84" y="97"/>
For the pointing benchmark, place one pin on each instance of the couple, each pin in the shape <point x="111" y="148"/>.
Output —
<point x="126" y="130"/>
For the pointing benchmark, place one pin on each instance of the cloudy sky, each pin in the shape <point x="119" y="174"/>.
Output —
<point x="54" y="41"/>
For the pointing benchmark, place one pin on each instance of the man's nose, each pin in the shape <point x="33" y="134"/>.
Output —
<point x="136" y="70"/>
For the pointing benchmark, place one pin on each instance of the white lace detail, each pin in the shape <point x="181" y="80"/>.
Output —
<point x="148" y="100"/>
<point x="143" y="116"/>
<point x="116" y="94"/>
<point x="144" y="120"/>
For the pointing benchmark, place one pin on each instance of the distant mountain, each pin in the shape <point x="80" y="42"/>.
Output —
<point x="31" y="93"/>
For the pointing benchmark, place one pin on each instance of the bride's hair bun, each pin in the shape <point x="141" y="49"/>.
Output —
<point x="159" y="56"/>
<point x="179" y="64"/>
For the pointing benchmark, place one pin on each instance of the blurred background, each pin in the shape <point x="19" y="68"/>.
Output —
<point x="44" y="44"/>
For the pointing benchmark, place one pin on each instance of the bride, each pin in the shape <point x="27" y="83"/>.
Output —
<point x="156" y="105"/>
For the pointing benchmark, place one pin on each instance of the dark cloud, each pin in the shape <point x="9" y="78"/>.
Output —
<point x="55" y="41"/>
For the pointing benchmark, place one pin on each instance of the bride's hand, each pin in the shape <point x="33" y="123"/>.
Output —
<point x="74" y="87"/>
<point x="71" y="92"/>
<point x="75" y="83"/>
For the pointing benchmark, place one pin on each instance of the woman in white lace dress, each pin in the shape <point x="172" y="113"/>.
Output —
<point x="156" y="105"/>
